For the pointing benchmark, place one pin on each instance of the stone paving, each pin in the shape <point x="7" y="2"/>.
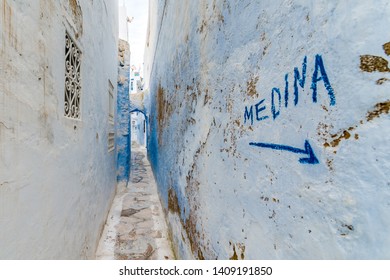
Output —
<point x="136" y="227"/>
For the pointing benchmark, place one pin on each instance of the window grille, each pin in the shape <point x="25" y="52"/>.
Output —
<point x="110" y="102"/>
<point x="72" y="78"/>
<point x="111" y="109"/>
<point x="111" y="141"/>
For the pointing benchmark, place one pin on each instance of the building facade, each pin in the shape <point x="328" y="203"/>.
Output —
<point x="270" y="127"/>
<point x="58" y="87"/>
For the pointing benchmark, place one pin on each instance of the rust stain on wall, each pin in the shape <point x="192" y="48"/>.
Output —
<point x="202" y="27"/>
<point x="192" y="189"/>
<point x="241" y="248"/>
<point x="160" y="112"/>
<point x="386" y="48"/>
<point x="8" y="25"/>
<point x="337" y="138"/>
<point x="371" y="63"/>
<point x="234" y="257"/>
<point x="329" y="163"/>
<point x="368" y="63"/>
<point x="379" y="109"/>
<point x="73" y="5"/>
<point x="164" y="112"/>
<point x="381" y="81"/>
<point x="77" y="16"/>
<point x="251" y="86"/>
<point x="190" y="222"/>
<point x="206" y="97"/>
<point x="189" y="225"/>
<point x="221" y="18"/>
<point x="173" y="202"/>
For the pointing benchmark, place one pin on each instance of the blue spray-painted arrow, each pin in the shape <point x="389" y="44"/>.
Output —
<point x="311" y="159"/>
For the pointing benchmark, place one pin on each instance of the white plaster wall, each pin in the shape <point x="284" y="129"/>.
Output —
<point x="135" y="80"/>
<point x="57" y="178"/>
<point x="137" y="128"/>
<point x="156" y="7"/>
<point x="123" y="25"/>
<point x="227" y="199"/>
<point x="134" y="124"/>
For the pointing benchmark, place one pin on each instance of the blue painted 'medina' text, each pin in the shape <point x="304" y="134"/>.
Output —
<point x="259" y="111"/>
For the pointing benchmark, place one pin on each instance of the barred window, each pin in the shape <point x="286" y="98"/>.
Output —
<point x="111" y="141"/>
<point x="111" y="109"/>
<point x="72" y="78"/>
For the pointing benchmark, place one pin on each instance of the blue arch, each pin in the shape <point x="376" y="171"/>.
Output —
<point x="138" y="110"/>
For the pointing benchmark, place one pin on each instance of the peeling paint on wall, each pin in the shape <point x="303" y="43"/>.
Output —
<point x="305" y="86"/>
<point x="386" y="48"/>
<point x="123" y="138"/>
<point x="371" y="63"/>
<point x="380" y="108"/>
<point x="76" y="14"/>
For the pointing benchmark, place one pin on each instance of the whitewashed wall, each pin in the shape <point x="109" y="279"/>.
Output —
<point x="137" y="128"/>
<point x="123" y="25"/>
<point x="314" y="183"/>
<point x="57" y="178"/>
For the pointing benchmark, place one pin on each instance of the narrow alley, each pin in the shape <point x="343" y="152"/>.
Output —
<point x="136" y="228"/>
<point x="194" y="130"/>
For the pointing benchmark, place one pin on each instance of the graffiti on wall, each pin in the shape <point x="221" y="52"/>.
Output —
<point x="259" y="110"/>
<point x="308" y="151"/>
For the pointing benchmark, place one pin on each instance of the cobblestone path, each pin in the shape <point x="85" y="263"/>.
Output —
<point x="135" y="227"/>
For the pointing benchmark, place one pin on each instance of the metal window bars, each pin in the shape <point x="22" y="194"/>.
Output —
<point x="72" y="79"/>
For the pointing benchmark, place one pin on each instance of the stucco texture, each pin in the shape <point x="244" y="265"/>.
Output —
<point x="57" y="178"/>
<point x="269" y="127"/>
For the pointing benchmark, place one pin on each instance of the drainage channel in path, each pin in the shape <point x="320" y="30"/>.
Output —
<point x="136" y="227"/>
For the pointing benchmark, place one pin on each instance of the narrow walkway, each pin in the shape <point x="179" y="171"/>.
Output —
<point x="135" y="227"/>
